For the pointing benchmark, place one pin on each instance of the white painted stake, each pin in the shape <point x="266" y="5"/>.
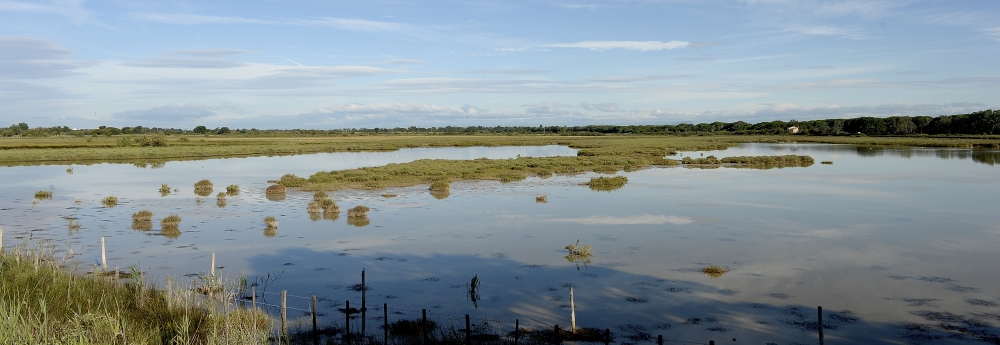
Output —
<point x="213" y="264"/>
<point x="104" y="257"/>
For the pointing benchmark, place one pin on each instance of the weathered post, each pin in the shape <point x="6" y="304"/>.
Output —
<point x="659" y="339"/>
<point x="556" y="334"/>
<point x="423" y="326"/>
<point x="104" y="257"/>
<point x="253" y="297"/>
<point x="385" y="323"/>
<point x="819" y="324"/>
<point x="315" y="335"/>
<point x="517" y="330"/>
<point x="284" y="313"/>
<point x="468" y="330"/>
<point x="607" y="336"/>
<point x="572" y="310"/>
<point x="213" y="265"/>
<point x="347" y="320"/>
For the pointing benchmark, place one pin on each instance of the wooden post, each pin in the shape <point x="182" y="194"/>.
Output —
<point x="315" y="334"/>
<point x="104" y="257"/>
<point x="468" y="330"/>
<point x="284" y="313"/>
<point x="1" y="239"/>
<point x="423" y="326"/>
<point x="659" y="339"/>
<point x="517" y="330"/>
<point x="385" y="323"/>
<point x="572" y="310"/>
<point x="213" y="264"/>
<point x="364" y="304"/>
<point x="347" y="321"/>
<point x="116" y="276"/>
<point x="253" y="297"/>
<point x="556" y="333"/>
<point x="607" y="336"/>
<point x="819" y="312"/>
<point x="711" y="342"/>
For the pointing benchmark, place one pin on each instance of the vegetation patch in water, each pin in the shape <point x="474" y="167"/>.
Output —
<point x="110" y="201"/>
<point x="714" y="271"/>
<point x="607" y="184"/>
<point x="43" y="195"/>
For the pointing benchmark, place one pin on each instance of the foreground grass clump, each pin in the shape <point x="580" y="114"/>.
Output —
<point x="46" y="305"/>
<point x="714" y="271"/>
<point x="110" y="201"/>
<point x="43" y="194"/>
<point x="607" y="184"/>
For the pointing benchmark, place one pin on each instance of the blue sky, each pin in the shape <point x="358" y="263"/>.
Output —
<point x="337" y="64"/>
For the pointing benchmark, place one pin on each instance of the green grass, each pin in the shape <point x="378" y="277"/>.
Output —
<point x="607" y="184"/>
<point x="45" y="304"/>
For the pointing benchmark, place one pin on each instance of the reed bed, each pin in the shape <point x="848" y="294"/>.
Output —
<point x="44" y="304"/>
<point x="110" y="201"/>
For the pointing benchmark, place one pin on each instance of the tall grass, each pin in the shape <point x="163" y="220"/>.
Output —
<point x="142" y="220"/>
<point x="44" y="304"/>
<point x="170" y="222"/>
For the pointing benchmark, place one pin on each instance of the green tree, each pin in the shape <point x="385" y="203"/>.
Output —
<point x="200" y="130"/>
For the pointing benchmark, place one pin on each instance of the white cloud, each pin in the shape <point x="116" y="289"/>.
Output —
<point x="401" y="62"/>
<point x="194" y="19"/>
<point x="175" y="112"/>
<point x="211" y="53"/>
<point x="632" y="79"/>
<point x="169" y="62"/>
<point x="645" y="219"/>
<point x="629" y="45"/>
<point x="72" y="9"/>
<point x="605" y="107"/>
<point x="353" y="24"/>
<point x="548" y="108"/>
<point x="993" y="32"/>
<point x="818" y="30"/>
<point x="33" y="58"/>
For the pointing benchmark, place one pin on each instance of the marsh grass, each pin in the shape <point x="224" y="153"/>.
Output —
<point x="271" y="222"/>
<point x="221" y="203"/>
<point x="769" y="162"/>
<point x="714" y="271"/>
<point x="203" y="188"/>
<point x="170" y="222"/>
<point x="320" y="196"/>
<point x="441" y="186"/>
<point x="45" y="304"/>
<point x="233" y="190"/>
<point x="221" y="196"/>
<point x="440" y="194"/>
<point x="579" y="254"/>
<point x="826" y="162"/>
<point x="164" y="188"/>
<point x="69" y="170"/>
<point x="110" y="201"/>
<point x="72" y="224"/>
<point x="270" y="232"/>
<point x="142" y="226"/>
<point x="142" y="216"/>
<point x="275" y="189"/>
<point x="607" y="184"/>
<point x="389" y="195"/>
<point x="541" y="199"/>
<point x="43" y="195"/>
<point x="358" y="211"/>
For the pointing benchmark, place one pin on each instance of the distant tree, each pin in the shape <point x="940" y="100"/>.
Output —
<point x="200" y="130"/>
<point x="222" y="130"/>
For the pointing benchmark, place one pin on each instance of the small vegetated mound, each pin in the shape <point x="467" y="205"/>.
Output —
<point x="233" y="190"/>
<point x="43" y="195"/>
<point x="440" y="189"/>
<point x="358" y="216"/>
<point x="320" y="195"/>
<point x="703" y="160"/>
<point x="110" y="201"/>
<point x="271" y="222"/>
<point x="714" y="271"/>
<point x="142" y="216"/>
<point x="220" y="200"/>
<point x="290" y="180"/>
<point x="826" y="162"/>
<point x="389" y="195"/>
<point x="607" y="184"/>
<point x="579" y="254"/>
<point x="275" y="192"/>
<point x="541" y="199"/>
<point x="69" y="170"/>
<point x="164" y="190"/>
<point x="221" y="196"/>
<point x="768" y="162"/>
<point x="171" y="221"/>
<point x="203" y="188"/>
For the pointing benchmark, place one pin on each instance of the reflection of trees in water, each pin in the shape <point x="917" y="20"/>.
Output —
<point x="986" y="157"/>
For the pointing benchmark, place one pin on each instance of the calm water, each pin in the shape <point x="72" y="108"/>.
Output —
<point x="897" y="245"/>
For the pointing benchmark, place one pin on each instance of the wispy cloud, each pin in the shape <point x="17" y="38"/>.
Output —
<point x="993" y="32"/>
<point x="645" y="219"/>
<point x="32" y="58"/>
<point x="175" y="112"/>
<point x="170" y="62"/>
<point x="632" y="79"/>
<point x="628" y="45"/>
<point x="72" y="9"/>
<point x="195" y="19"/>
<point x="401" y="62"/>
<point x="819" y="30"/>
<point x="605" y="107"/>
<point x="208" y="52"/>
<point x="354" y="24"/>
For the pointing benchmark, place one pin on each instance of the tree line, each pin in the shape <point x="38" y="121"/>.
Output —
<point x="985" y="122"/>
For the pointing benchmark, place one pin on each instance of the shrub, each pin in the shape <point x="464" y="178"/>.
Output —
<point x="110" y="201"/>
<point x="171" y="221"/>
<point x="607" y="184"/>
<point x="275" y="189"/>
<point x="203" y="184"/>
<point x="290" y="180"/>
<point x="142" y="216"/>
<point x="271" y="222"/>
<point x="441" y="186"/>
<point x="358" y="211"/>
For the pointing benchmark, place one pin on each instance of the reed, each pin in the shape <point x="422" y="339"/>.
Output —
<point x="271" y="222"/>
<point x="43" y="195"/>
<point x="714" y="271"/>
<point x="607" y="184"/>
<point x="110" y="201"/>
<point x="142" y="216"/>
<point x="170" y="222"/>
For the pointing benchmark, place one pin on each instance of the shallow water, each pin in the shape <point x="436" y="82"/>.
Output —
<point x="897" y="245"/>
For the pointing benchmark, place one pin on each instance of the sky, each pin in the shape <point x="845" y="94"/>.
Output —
<point x="396" y="63"/>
